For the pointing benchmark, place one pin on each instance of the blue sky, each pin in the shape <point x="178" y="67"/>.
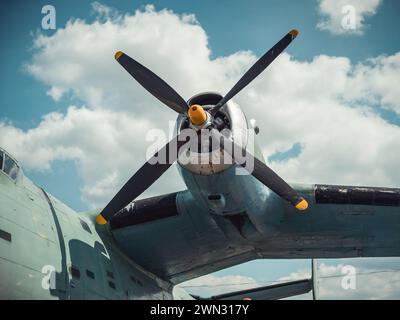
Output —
<point x="231" y="26"/>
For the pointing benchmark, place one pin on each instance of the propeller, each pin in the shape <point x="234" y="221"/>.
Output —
<point x="153" y="168"/>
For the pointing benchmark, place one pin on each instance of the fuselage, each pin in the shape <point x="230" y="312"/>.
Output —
<point x="49" y="251"/>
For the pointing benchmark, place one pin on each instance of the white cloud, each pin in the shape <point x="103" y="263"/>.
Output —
<point x="345" y="16"/>
<point x="376" y="82"/>
<point x="102" y="10"/>
<point x="174" y="46"/>
<point x="104" y="144"/>
<point x="296" y="275"/>
<point x="326" y="104"/>
<point x="55" y="92"/>
<point x="369" y="283"/>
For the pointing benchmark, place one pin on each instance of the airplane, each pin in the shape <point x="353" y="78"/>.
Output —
<point x="142" y="248"/>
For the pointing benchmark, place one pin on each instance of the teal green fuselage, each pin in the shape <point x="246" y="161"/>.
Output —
<point x="48" y="251"/>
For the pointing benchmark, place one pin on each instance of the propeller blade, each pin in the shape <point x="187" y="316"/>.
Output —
<point x="152" y="83"/>
<point x="261" y="171"/>
<point x="257" y="68"/>
<point x="142" y="179"/>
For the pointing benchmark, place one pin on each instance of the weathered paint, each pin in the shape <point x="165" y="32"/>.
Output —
<point x="44" y="231"/>
<point x="146" y="210"/>
<point x="255" y="223"/>
<point x="357" y="195"/>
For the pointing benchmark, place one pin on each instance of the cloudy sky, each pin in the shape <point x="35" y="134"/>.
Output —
<point x="328" y="108"/>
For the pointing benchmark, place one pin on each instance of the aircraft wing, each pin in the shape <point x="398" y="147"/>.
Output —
<point x="272" y="292"/>
<point x="177" y="239"/>
<point x="341" y="222"/>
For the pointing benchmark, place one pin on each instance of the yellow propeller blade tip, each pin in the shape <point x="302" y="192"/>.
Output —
<point x="294" y="33"/>
<point x="302" y="205"/>
<point x="118" y="54"/>
<point x="100" y="219"/>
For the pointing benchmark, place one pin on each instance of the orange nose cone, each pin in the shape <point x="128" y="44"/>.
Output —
<point x="197" y="115"/>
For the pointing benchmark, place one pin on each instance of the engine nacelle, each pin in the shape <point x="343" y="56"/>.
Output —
<point x="210" y="161"/>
